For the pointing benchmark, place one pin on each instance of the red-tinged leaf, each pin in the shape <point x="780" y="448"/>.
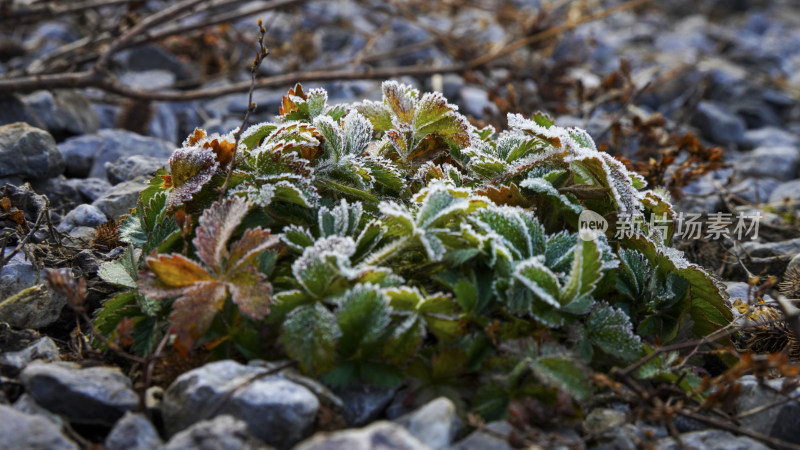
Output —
<point x="193" y="312"/>
<point x="250" y="292"/>
<point x="245" y="250"/>
<point x="196" y="137"/>
<point x="215" y="228"/>
<point x="188" y="163"/>
<point x="398" y="99"/>
<point x="223" y="150"/>
<point x="287" y="105"/>
<point x="177" y="271"/>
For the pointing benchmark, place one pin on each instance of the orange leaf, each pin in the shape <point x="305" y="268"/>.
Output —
<point x="177" y="271"/>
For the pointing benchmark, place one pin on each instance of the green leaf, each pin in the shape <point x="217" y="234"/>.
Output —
<point x="540" y="280"/>
<point x="145" y="336"/>
<point x="586" y="272"/>
<point x="114" y="310"/>
<point x="253" y="136"/>
<point x="363" y="317"/>
<point x="309" y="335"/>
<point x="565" y="373"/>
<point x="121" y="272"/>
<point x="406" y="338"/>
<point x="611" y="331"/>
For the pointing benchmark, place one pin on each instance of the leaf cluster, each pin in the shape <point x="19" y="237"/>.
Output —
<point x="392" y="240"/>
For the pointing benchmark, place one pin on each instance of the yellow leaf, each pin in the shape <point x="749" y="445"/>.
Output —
<point x="176" y="271"/>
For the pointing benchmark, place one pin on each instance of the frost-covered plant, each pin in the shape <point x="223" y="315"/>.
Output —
<point x="393" y="240"/>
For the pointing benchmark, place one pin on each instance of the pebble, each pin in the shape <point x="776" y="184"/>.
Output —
<point x="28" y="152"/>
<point x="30" y="432"/>
<point x="718" y="124"/>
<point x="436" y="424"/>
<point x="82" y="216"/>
<point x="87" y="155"/>
<point x="364" y="403"/>
<point x="63" y="112"/>
<point x="92" y="396"/>
<point x="379" y="435"/>
<point x="789" y="190"/>
<point x="277" y="411"/>
<point x="129" y="167"/>
<point x="133" y="432"/>
<point x="709" y="440"/>
<point x="122" y="198"/>
<point x="42" y="349"/>
<point x="220" y="433"/>
<point x="768" y="161"/>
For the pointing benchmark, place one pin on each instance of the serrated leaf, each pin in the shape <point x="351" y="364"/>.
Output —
<point x="565" y="373"/>
<point x="215" y="228"/>
<point x="357" y="133"/>
<point x="121" y="272"/>
<point x="176" y="271"/>
<point x="363" y="316"/>
<point x="193" y="312"/>
<point x="542" y="282"/>
<point x="309" y="335"/>
<point x="253" y="136"/>
<point x="611" y="330"/>
<point x="406" y="338"/>
<point x="586" y="271"/>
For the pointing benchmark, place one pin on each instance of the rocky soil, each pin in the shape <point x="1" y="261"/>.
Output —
<point x="727" y="71"/>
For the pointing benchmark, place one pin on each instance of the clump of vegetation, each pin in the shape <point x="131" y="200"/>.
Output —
<point x="392" y="240"/>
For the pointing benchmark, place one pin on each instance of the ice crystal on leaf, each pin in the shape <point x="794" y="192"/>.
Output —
<point x="392" y="240"/>
<point x="202" y="287"/>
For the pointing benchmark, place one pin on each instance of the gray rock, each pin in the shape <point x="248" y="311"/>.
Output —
<point x="26" y="404"/>
<point x="152" y="57"/>
<point x="62" y="194"/>
<point x="221" y="433"/>
<point x="122" y="198"/>
<point x="475" y="102"/>
<point x="276" y="410"/>
<point x="13" y="110"/>
<point x="87" y="155"/>
<point x="718" y="124"/>
<point x="95" y="395"/>
<point x="629" y="436"/>
<point x="364" y="403"/>
<point x="775" y="162"/>
<point x="710" y="440"/>
<point x="772" y="136"/>
<point x="130" y="167"/>
<point x="29" y="432"/>
<point x="780" y="421"/>
<point x="82" y="216"/>
<point x="754" y="190"/>
<point x="379" y="436"/>
<point x="133" y="432"/>
<point x="786" y="191"/>
<point x="44" y="349"/>
<point x="495" y="437"/>
<point x="435" y="424"/>
<point x="28" y="152"/>
<point x="32" y="307"/>
<point x="64" y="112"/>
<point x="17" y="274"/>
<point x="765" y="249"/>
<point x="90" y="189"/>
